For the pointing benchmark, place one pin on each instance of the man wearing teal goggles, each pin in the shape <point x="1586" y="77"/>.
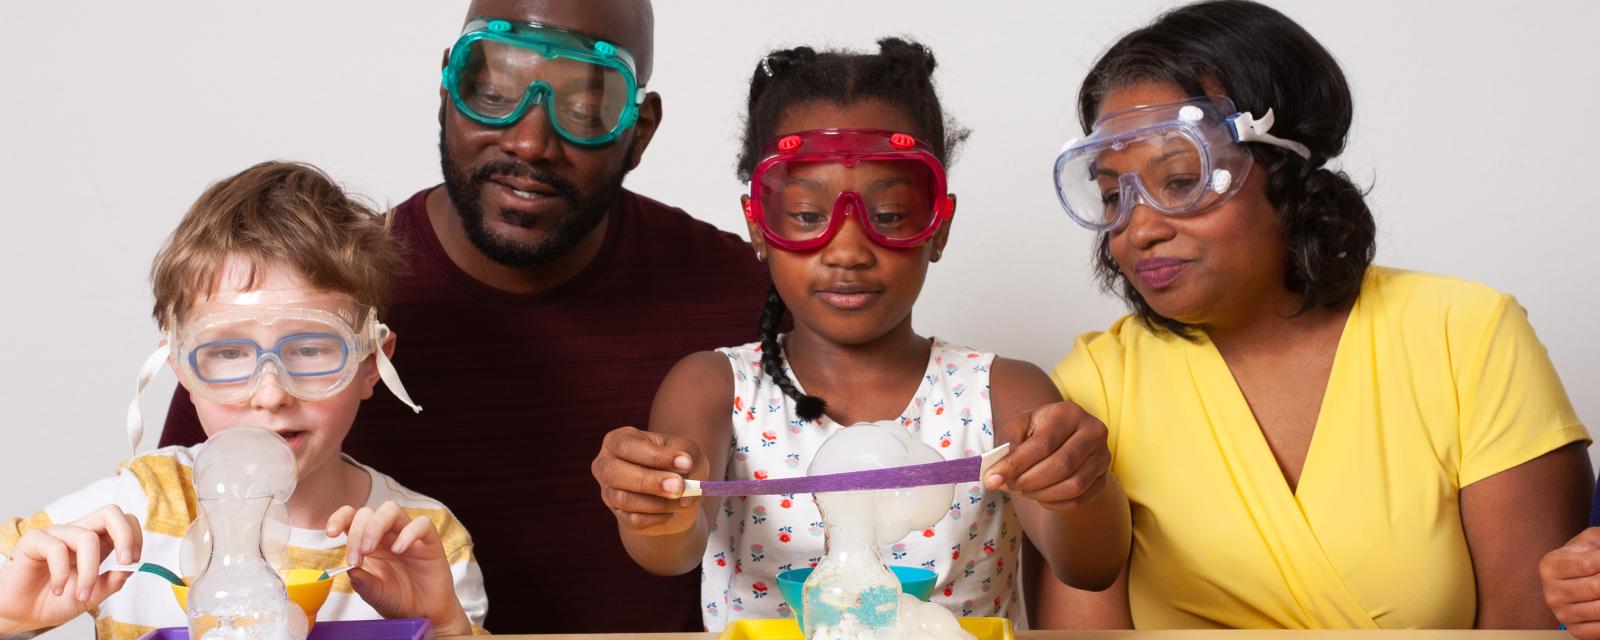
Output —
<point x="500" y="69"/>
<point x="543" y="303"/>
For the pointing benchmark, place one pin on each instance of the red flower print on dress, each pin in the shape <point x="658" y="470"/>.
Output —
<point x="927" y="533"/>
<point x="760" y="474"/>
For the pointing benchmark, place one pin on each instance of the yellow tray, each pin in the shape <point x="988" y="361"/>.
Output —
<point x="787" y="629"/>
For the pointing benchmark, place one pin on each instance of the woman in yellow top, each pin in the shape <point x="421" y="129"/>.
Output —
<point x="1306" y="441"/>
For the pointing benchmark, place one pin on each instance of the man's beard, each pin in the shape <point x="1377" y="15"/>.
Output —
<point x="583" y="211"/>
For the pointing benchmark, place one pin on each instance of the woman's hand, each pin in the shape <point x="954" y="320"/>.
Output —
<point x="1058" y="457"/>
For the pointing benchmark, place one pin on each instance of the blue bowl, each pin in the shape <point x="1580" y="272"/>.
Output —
<point x="914" y="581"/>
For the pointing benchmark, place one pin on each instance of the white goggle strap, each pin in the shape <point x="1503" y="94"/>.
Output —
<point x="1246" y="128"/>
<point x="386" y="370"/>
<point x="147" y="371"/>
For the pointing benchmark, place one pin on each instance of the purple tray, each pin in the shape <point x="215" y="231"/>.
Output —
<point x="397" y="629"/>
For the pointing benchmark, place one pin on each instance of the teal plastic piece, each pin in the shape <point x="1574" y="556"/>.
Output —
<point x="550" y="42"/>
<point x="163" y="572"/>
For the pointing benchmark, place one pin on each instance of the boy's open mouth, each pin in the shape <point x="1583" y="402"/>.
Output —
<point x="295" y="438"/>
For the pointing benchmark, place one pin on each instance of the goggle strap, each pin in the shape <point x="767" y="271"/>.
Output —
<point x="387" y="372"/>
<point x="1246" y="128"/>
<point x="147" y="372"/>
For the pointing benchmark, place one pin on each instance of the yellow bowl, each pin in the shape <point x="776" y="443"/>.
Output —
<point x="304" y="589"/>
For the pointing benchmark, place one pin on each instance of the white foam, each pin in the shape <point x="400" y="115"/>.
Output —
<point x="853" y="576"/>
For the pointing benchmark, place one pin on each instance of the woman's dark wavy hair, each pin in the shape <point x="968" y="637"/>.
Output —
<point x="1262" y="60"/>
<point x="899" y="74"/>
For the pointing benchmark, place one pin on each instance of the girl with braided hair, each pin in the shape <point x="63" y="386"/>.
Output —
<point x="845" y="154"/>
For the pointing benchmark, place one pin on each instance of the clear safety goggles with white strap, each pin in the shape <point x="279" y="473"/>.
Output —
<point x="224" y="348"/>
<point x="1180" y="159"/>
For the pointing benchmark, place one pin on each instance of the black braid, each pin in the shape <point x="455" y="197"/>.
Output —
<point x="807" y="407"/>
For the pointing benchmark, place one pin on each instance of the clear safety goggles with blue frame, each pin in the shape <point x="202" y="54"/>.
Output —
<point x="1180" y="159"/>
<point x="498" y="70"/>
<point x="224" y="351"/>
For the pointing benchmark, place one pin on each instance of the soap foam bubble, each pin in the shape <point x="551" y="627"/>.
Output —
<point x="894" y="512"/>
<point x="847" y="582"/>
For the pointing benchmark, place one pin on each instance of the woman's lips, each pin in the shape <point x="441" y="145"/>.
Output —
<point x="1159" y="273"/>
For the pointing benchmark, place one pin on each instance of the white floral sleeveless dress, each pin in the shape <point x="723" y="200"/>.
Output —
<point x="973" y="549"/>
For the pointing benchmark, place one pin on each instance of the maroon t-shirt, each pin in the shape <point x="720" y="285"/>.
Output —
<point x="519" y="390"/>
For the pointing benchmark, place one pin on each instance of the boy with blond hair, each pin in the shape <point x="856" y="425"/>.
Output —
<point x="269" y="294"/>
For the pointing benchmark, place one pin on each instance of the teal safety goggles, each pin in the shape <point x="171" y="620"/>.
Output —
<point x="499" y="69"/>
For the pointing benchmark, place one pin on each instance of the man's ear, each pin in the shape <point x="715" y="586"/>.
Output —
<point x="644" y="129"/>
<point x="444" y="94"/>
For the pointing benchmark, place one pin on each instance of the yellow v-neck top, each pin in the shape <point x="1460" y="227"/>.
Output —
<point x="1437" y="383"/>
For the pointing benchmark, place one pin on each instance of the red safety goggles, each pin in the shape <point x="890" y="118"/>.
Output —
<point x="809" y="182"/>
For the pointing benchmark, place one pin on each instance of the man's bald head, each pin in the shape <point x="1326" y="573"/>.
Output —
<point x="627" y="23"/>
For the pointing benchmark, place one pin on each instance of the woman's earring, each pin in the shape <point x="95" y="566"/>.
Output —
<point x="760" y="257"/>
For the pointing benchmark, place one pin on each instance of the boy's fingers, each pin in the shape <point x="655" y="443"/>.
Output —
<point x="339" y="522"/>
<point x="384" y="523"/>
<point x="109" y="583"/>
<point x="85" y="547"/>
<point x="419" y="528"/>
<point x="353" y="536"/>
<point x="122" y="532"/>
<point x="50" y="550"/>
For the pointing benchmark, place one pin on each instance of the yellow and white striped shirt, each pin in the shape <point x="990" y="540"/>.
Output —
<point x="158" y="489"/>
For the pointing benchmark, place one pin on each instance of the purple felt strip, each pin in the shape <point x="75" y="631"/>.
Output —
<point x="916" y="475"/>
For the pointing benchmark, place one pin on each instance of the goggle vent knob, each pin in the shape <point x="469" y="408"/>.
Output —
<point x="789" y="143"/>
<point x="902" y="141"/>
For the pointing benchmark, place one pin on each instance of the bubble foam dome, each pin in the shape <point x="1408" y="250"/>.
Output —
<point x="879" y="445"/>
<point x="244" y="462"/>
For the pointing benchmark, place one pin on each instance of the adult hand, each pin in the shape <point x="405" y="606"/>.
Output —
<point x="402" y="568"/>
<point x="641" y="477"/>
<point x="1058" y="456"/>
<point x="53" y="575"/>
<point x="1570" y="576"/>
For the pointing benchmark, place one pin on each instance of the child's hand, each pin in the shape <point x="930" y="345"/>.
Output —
<point x="402" y="569"/>
<point x="1058" y="456"/>
<point x="53" y="574"/>
<point x="641" y="476"/>
<point x="1571" y="579"/>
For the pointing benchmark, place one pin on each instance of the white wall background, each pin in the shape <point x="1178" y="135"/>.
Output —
<point x="1475" y="120"/>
